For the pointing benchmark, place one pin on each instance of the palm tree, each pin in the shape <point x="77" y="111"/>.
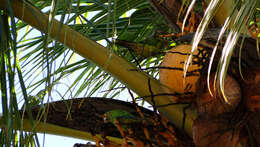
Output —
<point x="52" y="52"/>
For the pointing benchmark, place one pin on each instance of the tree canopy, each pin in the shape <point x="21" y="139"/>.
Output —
<point x="108" y="47"/>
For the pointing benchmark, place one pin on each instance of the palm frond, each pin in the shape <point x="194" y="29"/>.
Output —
<point x="236" y="24"/>
<point x="241" y="21"/>
<point x="136" y="27"/>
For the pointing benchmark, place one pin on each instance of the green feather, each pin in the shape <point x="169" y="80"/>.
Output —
<point x="122" y="116"/>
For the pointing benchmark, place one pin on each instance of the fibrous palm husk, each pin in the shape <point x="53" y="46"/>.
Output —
<point x="214" y="132"/>
<point x="211" y="103"/>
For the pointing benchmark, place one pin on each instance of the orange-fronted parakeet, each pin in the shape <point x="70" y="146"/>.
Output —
<point x="145" y="49"/>
<point x="125" y="123"/>
<point x="122" y="116"/>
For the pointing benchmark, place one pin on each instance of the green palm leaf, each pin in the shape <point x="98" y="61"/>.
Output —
<point x="31" y="61"/>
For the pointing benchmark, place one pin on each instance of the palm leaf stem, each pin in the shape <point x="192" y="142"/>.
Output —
<point x="42" y="127"/>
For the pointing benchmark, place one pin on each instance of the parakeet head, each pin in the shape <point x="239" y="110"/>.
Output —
<point x="107" y="117"/>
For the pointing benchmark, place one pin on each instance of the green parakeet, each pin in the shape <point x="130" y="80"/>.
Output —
<point x="124" y="117"/>
<point x="124" y="121"/>
<point x="146" y="49"/>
